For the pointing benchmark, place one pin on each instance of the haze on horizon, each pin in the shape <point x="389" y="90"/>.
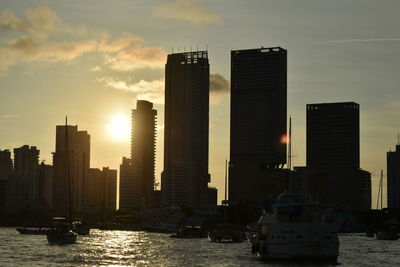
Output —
<point x="91" y="60"/>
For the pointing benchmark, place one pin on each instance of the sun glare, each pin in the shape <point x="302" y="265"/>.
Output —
<point x="119" y="128"/>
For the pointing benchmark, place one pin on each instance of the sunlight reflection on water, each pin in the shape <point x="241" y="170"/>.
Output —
<point x="124" y="248"/>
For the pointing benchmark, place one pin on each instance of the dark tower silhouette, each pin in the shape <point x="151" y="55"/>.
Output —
<point x="333" y="156"/>
<point x="258" y="120"/>
<point x="72" y="156"/>
<point x="393" y="178"/>
<point x="143" y="147"/>
<point x="185" y="176"/>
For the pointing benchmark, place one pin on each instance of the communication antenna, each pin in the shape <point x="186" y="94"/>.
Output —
<point x="398" y="139"/>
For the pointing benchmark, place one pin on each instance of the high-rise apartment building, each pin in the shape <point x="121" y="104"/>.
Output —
<point x="71" y="159"/>
<point x="23" y="184"/>
<point x="130" y="185"/>
<point x="185" y="177"/>
<point x="333" y="156"/>
<point x="143" y="147"/>
<point x="6" y="168"/>
<point x="258" y="122"/>
<point x="102" y="191"/>
<point x="393" y="178"/>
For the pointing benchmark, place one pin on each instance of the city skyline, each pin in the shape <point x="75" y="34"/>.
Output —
<point x="330" y="60"/>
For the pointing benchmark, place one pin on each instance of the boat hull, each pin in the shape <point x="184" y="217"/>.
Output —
<point x="24" y="231"/>
<point x="54" y="237"/>
<point x="296" y="251"/>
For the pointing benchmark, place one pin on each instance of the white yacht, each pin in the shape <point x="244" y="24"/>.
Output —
<point x="296" y="228"/>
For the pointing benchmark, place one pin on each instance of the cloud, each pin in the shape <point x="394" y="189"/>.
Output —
<point x="187" y="10"/>
<point x="364" y="40"/>
<point x="39" y="37"/>
<point x="96" y="69"/>
<point x="219" y="88"/>
<point x="152" y="91"/>
<point x="218" y="83"/>
<point x="9" y="116"/>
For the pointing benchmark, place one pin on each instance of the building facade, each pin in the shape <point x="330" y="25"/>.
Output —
<point x="143" y="147"/>
<point x="23" y="184"/>
<point x="393" y="178"/>
<point x="71" y="162"/>
<point x="258" y="122"/>
<point x="185" y="178"/>
<point x="130" y="187"/>
<point x="333" y="155"/>
<point x="6" y="168"/>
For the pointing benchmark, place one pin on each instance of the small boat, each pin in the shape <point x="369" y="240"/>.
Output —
<point x="296" y="228"/>
<point x="81" y="228"/>
<point x="60" y="232"/>
<point x="226" y="232"/>
<point x="32" y="231"/>
<point x="387" y="234"/>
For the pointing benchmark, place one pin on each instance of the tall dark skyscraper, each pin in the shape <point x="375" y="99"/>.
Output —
<point x="185" y="177"/>
<point x="333" y="134"/>
<point x="258" y="120"/>
<point x="333" y="156"/>
<point x="137" y="178"/>
<point x="23" y="186"/>
<point x="73" y="152"/>
<point x="393" y="178"/>
<point x="143" y="146"/>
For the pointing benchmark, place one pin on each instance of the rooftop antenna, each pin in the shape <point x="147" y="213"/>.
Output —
<point x="398" y="139"/>
<point x="184" y="49"/>
<point x="190" y="48"/>
<point x="197" y="48"/>
<point x="178" y="49"/>
<point x="206" y="47"/>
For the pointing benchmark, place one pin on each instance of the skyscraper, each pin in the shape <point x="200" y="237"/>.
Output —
<point x="137" y="177"/>
<point x="393" y="178"/>
<point x="258" y="122"/>
<point x="333" y="134"/>
<point x="6" y="168"/>
<point x="143" y="146"/>
<point x="333" y="156"/>
<point x="185" y="177"/>
<point x="23" y="186"/>
<point x="72" y="157"/>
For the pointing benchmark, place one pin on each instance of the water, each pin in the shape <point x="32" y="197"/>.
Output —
<point x="123" y="248"/>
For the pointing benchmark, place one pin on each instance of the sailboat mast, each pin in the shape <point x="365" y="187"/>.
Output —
<point x="381" y="188"/>
<point x="290" y="144"/>
<point x="226" y="182"/>
<point x="68" y="168"/>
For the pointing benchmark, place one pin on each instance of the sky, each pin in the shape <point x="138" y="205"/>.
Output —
<point x="92" y="59"/>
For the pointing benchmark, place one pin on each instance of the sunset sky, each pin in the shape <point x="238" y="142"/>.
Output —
<point x="92" y="59"/>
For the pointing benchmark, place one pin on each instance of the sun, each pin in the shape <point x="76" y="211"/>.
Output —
<point x="119" y="128"/>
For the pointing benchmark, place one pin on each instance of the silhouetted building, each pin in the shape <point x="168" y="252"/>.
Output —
<point x="333" y="155"/>
<point x="45" y="179"/>
<point x="23" y="184"/>
<point x="185" y="177"/>
<point x="298" y="182"/>
<point x="102" y="191"/>
<point x="6" y="168"/>
<point x="143" y="147"/>
<point x="393" y="178"/>
<point x="130" y="187"/>
<point x="258" y="123"/>
<point x="71" y="158"/>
